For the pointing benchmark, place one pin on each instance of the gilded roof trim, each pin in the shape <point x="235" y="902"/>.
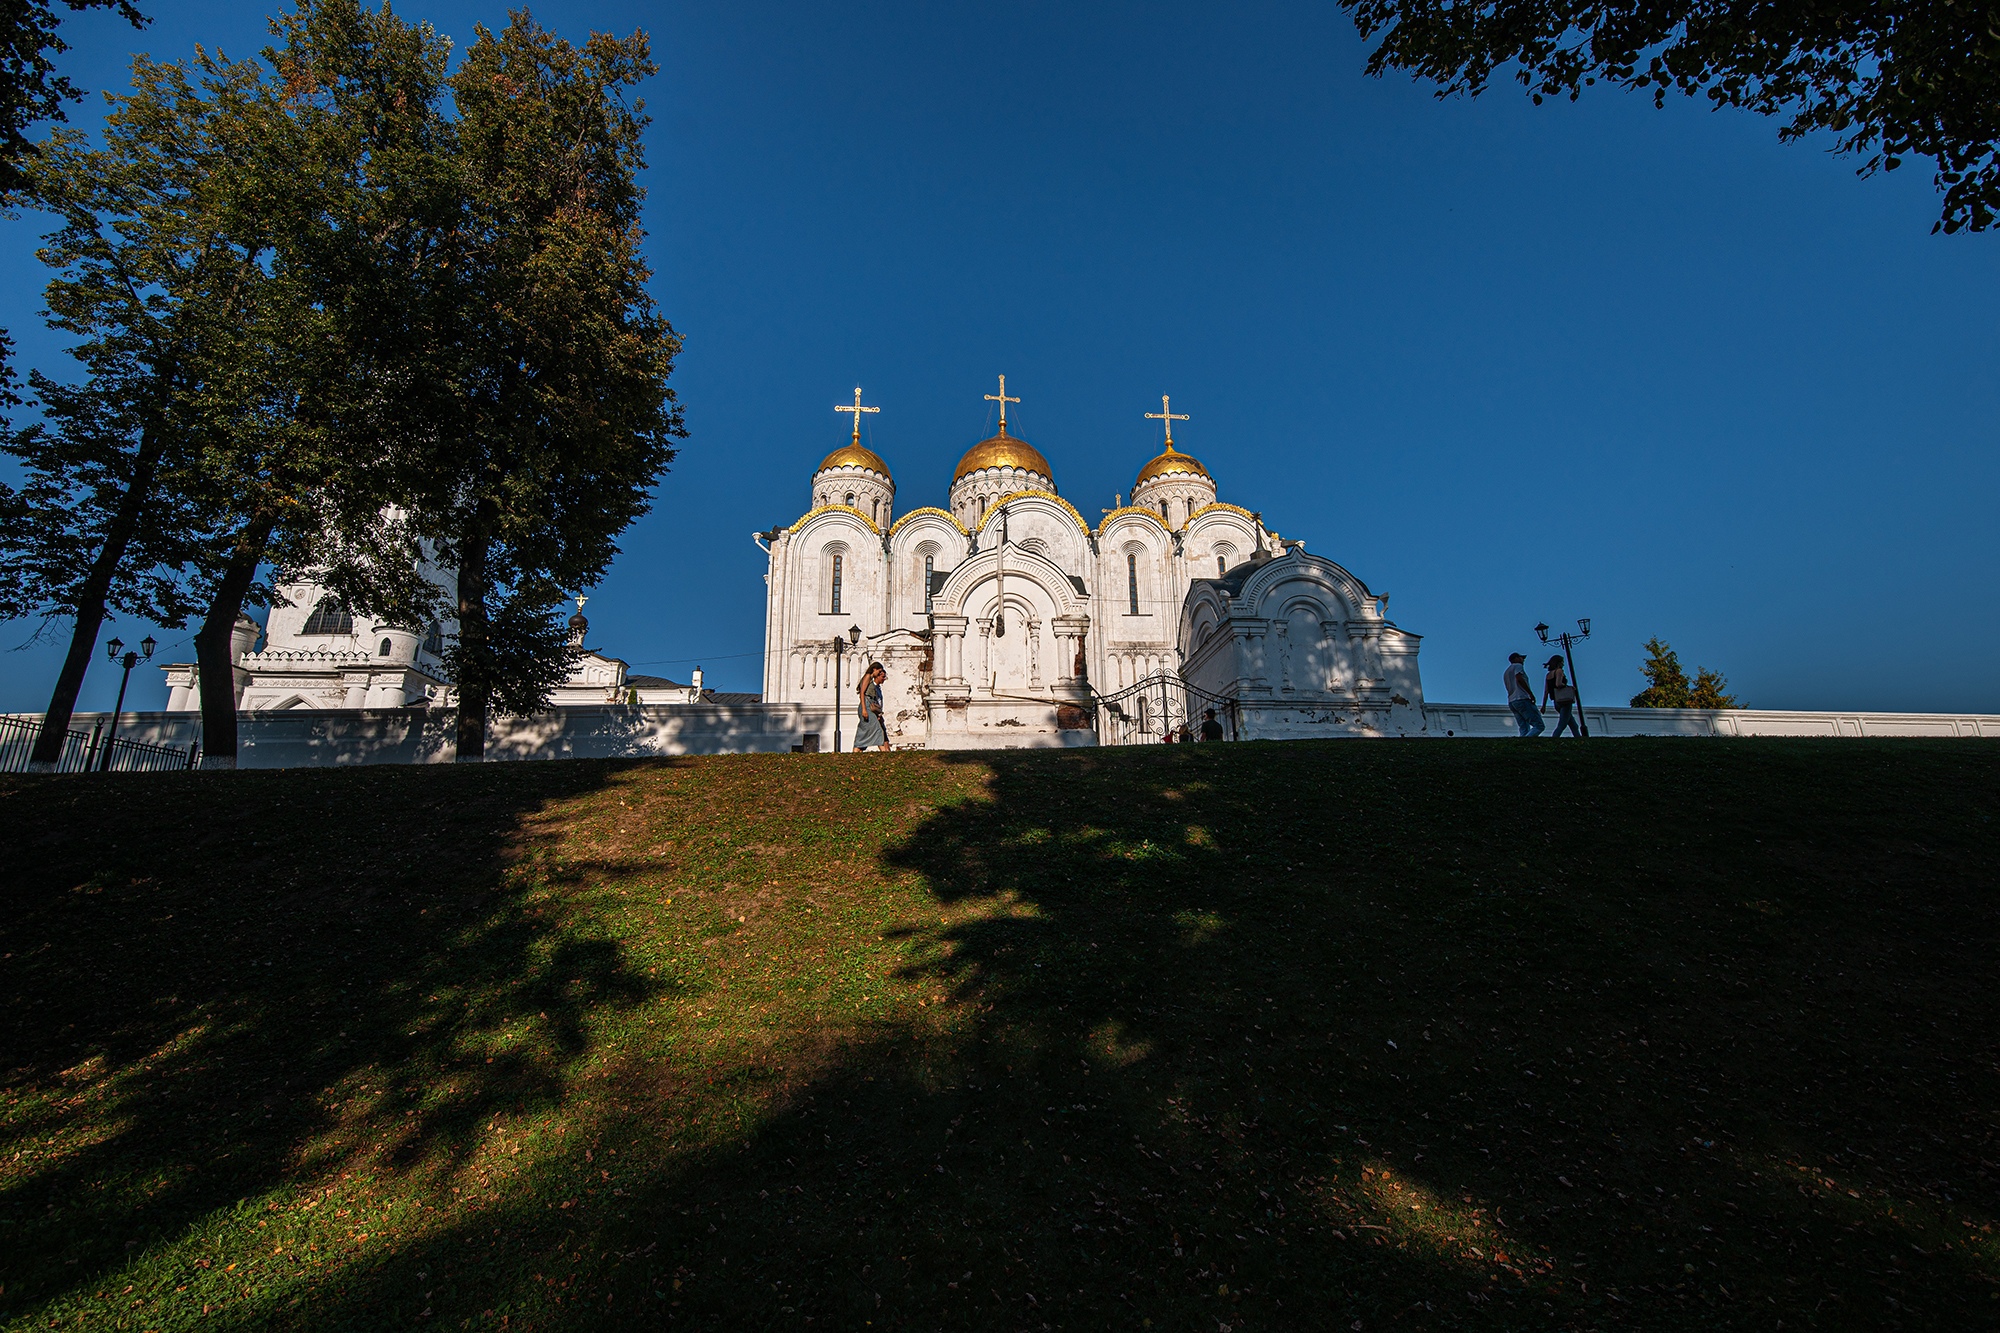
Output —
<point x="812" y="514"/>
<point x="1220" y="504"/>
<point x="1140" y="510"/>
<point x="994" y="508"/>
<point x="945" y="514"/>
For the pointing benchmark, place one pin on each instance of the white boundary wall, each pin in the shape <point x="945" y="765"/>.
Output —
<point x="307" y="738"/>
<point x="1496" y="720"/>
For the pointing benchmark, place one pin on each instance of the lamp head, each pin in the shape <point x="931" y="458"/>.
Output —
<point x="854" y="634"/>
<point x="147" y="645"/>
<point x="1583" y="623"/>
<point x="115" y="647"/>
<point x="1542" y="632"/>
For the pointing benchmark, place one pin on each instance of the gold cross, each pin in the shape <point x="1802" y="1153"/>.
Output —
<point x="857" y="410"/>
<point x="1168" y="415"/>
<point x="1002" y="399"/>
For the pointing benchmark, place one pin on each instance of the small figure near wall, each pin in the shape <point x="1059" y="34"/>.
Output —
<point x="1556" y="689"/>
<point x="870" y="731"/>
<point x="1521" y="696"/>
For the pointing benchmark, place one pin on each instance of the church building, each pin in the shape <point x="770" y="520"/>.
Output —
<point x="1002" y="613"/>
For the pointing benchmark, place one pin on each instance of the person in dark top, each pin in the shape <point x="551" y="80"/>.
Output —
<point x="1211" y="730"/>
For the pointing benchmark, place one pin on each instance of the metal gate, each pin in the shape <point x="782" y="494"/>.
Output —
<point x="1159" y="708"/>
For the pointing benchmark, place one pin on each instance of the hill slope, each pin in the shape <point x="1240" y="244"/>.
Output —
<point x="1667" y="1034"/>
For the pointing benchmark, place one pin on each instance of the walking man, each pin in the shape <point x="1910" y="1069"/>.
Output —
<point x="1521" y="696"/>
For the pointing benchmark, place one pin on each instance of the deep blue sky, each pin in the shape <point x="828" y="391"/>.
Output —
<point x="1506" y="363"/>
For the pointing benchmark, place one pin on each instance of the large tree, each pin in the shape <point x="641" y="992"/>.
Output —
<point x="1885" y="79"/>
<point x="153" y="267"/>
<point x="551" y="407"/>
<point x="304" y="430"/>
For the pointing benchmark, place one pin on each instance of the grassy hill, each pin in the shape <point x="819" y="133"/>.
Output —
<point x="1672" y="1035"/>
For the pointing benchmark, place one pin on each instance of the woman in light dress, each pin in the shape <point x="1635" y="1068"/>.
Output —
<point x="1556" y="689"/>
<point x="870" y="731"/>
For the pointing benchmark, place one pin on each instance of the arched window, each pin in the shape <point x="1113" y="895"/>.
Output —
<point x="1221" y="565"/>
<point x="384" y="652"/>
<point x="434" y="640"/>
<point x="1132" y="581"/>
<point x="329" y="617"/>
<point x="929" y="562"/>
<point x="1163" y="509"/>
<point x="839" y="571"/>
<point x="850" y="499"/>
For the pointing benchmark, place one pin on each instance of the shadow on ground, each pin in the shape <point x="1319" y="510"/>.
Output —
<point x="1673" y="1035"/>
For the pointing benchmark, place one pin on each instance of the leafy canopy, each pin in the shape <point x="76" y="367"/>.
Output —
<point x="1888" y="79"/>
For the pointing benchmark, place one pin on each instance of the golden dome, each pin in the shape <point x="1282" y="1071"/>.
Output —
<point x="1003" y="450"/>
<point x="854" y="455"/>
<point x="1168" y="463"/>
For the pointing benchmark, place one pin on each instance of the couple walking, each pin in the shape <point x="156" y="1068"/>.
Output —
<point x="1556" y="689"/>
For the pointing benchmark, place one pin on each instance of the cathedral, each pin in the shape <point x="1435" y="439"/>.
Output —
<point x="1003" y="615"/>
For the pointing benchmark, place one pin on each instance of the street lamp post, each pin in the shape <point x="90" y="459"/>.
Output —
<point x="112" y="650"/>
<point x="854" y="638"/>
<point x="1566" y="638"/>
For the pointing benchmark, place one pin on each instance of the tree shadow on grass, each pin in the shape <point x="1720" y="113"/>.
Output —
<point x="216" y="985"/>
<point x="1292" y="1037"/>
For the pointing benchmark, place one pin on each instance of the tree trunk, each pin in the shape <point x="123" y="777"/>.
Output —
<point x="90" y="603"/>
<point x="216" y="665"/>
<point x="474" y="691"/>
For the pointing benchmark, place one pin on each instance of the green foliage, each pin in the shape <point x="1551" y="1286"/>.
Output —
<point x="1710" y="691"/>
<point x="1667" y="685"/>
<point x="548" y="383"/>
<point x="1666" y="682"/>
<point x="30" y="89"/>
<point x="1889" y="81"/>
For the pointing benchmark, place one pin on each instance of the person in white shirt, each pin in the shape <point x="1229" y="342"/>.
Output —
<point x="1521" y="696"/>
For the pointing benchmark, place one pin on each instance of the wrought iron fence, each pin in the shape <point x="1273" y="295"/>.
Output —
<point x="1160" y="707"/>
<point x="91" y="751"/>
<point x="17" y="745"/>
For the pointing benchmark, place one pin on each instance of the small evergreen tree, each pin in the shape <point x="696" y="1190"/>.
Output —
<point x="1666" y="683"/>
<point x="1711" y="691"/>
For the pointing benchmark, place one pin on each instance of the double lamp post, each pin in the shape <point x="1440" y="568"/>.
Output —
<point x="1566" y="638"/>
<point x="112" y="649"/>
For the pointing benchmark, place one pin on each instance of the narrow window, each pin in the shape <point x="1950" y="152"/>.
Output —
<point x="1221" y="565"/>
<point x="329" y="617"/>
<point x="928" y="560"/>
<point x="850" y="499"/>
<point x="385" y="649"/>
<point x="1132" y="581"/>
<point x="1163" y="509"/>
<point x="837" y="561"/>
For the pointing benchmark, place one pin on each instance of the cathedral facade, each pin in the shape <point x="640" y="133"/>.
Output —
<point x="1002" y="613"/>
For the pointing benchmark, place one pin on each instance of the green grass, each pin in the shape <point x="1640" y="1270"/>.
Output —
<point x="1667" y="1035"/>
